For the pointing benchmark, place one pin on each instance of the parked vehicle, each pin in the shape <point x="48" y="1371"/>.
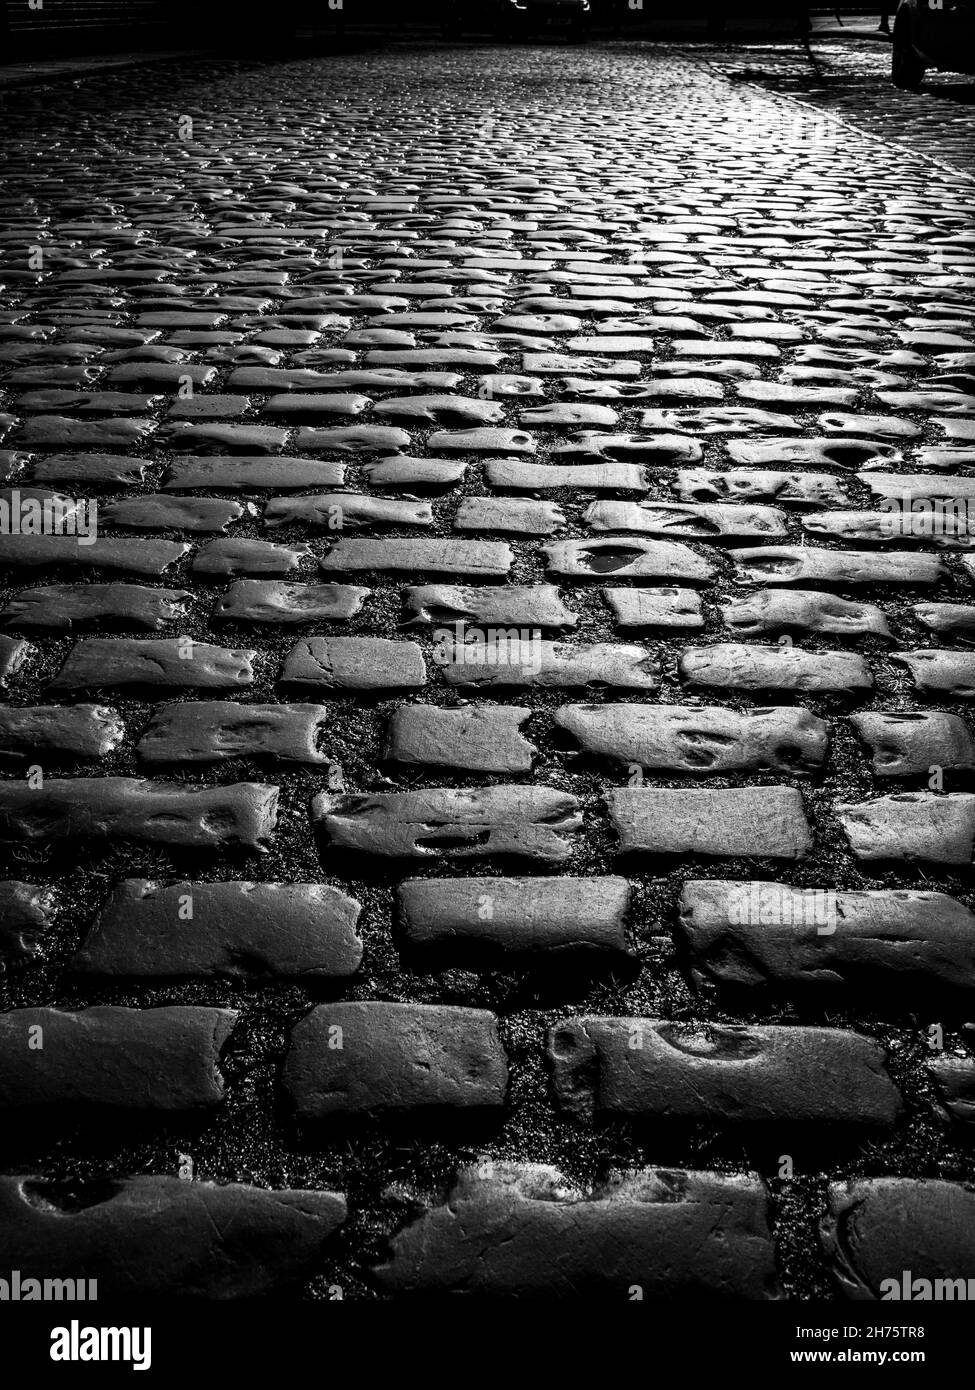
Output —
<point x="928" y="34"/>
<point x="512" y="19"/>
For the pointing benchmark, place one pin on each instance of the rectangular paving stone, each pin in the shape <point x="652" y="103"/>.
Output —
<point x="629" y="557"/>
<point x="561" y="364"/>
<point x="810" y="565"/>
<point x="721" y="823"/>
<point x="149" y="930"/>
<point x="669" y="607"/>
<point x="802" y="613"/>
<point x="133" y="556"/>
<point x="100" y="662"/>
<point x="90" y="469"/>
<point x="276" y="379"/>
<point x="434" y="556"/>
<point x="479" y="738"/>
<point x="272" y="601"/>
<point x="482" y="441"/>
<point x="574" y="414"/>
<point x="130" y="808"/>
<point x="419" y="359"/>
<point x="306" y="405"/>
<point x="906" y="487"/>
<point x="646" y="1069"/>
<point x="899" y="1238"/>
<point x="911" y="744"/>
<point x="462" y="917"/>
<point x="511" y="515"/>
<point x="157" y="512"/>
<point x="762" y="934"/>
<point x="662" y="448"/>
<point x="211" y="731"/>
<point x="514" y="475"/>
<point x="77" y="731"/>
<point x="700" y="522"/>
<point x="232" y="555"/>
<point x="156" y="1060"/>
<point x="821" y="451"/>
<point x="516" y="658"/>
<point x="353" y="663"/>
<point x="949" y="620"/>
<point x="409" y="473"/>
<point x="380" y="380"/>
<point x="351" y="439"/>
<point x="536" y="822"/>
<point x="524" y="1230"/>
<point x="714" y="421"/>
<point x="238" y="473"/>
<point x="738" y="485"/>
<point x="161" y="373"/>
<point x="343" y="511"/>
<point x="394" y="1058"/>
<point x="441" y="409"/>
<point x="910" y="826"/>
<point x="66" y="606"/>
<point x="62" y="432"/>
<point x="510" y="605"/>
<point x="215" y="438"/>
<point x="941" y="673"/>
<point x="710" y="740"/>
<point x="741" y="666"/>
<point x="947" y="529"/>
<point x="155" y="1236"/>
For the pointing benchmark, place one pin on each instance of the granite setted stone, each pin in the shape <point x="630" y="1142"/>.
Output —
<point x="462" y="918"/>
<point x="641" y="1068"/>
<point x="76" y="731"/>
<point x="160" y="1236"/>
<point x="523" y="1229"/>
<point x="96" y="663"/>
<point x="759" y="822"/>
<point x="914" y="825"/>
<point x="109" y="809"/>
<point x="741" y="666"/>
<point x="709" y="741"/>
<point x="876" y="1229"/>
<point x="273" y="601"/>
<point x="156" y="1060"/>
<point x="210" y="731"/>
<point x="911" y="744"/>
<point x="393" y="1058"/>
<point x="512" y="605"/>
<point x="481" y="738"/>
<point x="238" y="929"/>
<point x="879" y="944"/>
<point x="535" y="822"/>
<point x="353" y="663"/>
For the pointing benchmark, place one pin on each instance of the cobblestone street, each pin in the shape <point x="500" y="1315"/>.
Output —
<point x="489" y="754"/>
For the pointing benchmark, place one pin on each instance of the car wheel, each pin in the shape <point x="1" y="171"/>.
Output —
<point x="906" y="68"/>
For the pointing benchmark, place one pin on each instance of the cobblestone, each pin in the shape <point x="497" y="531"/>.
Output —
<point x="153" y="1236"/>
<point x="489" y="360"/>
